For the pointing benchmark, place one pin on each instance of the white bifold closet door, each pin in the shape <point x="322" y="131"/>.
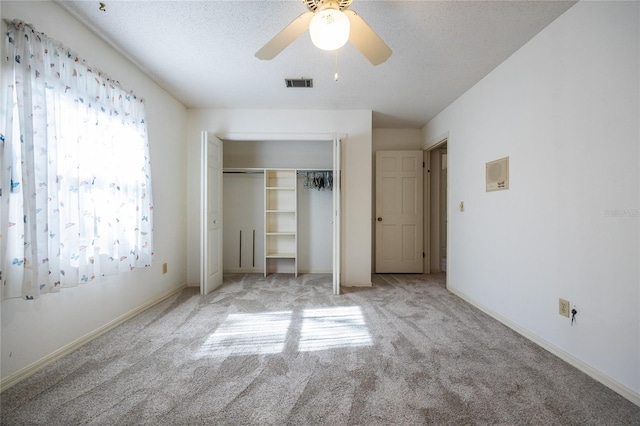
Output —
<point x="211" y="214"/>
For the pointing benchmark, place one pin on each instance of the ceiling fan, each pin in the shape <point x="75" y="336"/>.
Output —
<point x="330" y="23"/>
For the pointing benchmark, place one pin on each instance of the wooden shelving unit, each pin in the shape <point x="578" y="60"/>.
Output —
<point x="280" y="217"/>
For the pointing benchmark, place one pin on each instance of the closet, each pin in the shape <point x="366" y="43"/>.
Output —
<point x="278" y="206"/>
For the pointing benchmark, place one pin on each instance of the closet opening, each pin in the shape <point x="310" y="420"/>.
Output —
<point x="436" y="209"/>
<point x="279" y="207"/>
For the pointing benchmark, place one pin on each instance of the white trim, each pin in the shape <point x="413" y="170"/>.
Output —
<point x="434" y="143"/>
<point x="22" y="374"/>
<point x="426" y="212"/>
<point x="426" y="244"/>
<point x="609" y="382"/>
<point x="337" y="215"/>
<point x="275" y="136"/>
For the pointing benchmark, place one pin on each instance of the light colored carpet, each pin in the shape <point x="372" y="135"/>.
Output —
<point x="283" y="350"/>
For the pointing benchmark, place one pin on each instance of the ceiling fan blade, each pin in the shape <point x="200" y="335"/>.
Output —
<point x="366" y="40"/>
<point x="285" y="37"/>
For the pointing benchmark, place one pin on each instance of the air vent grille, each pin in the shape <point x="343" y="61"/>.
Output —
<point x="299" y="82"/>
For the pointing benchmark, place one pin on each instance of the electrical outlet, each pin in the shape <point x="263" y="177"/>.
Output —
<point x="164" y="268"/>
<point x="563" y="308"/>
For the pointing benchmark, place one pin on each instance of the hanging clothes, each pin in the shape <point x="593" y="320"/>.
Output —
<point x="318" y="180"/>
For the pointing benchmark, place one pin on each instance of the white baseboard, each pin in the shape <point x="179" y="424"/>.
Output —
<point x="612" y="384"/>
<point x="22" y="374"/>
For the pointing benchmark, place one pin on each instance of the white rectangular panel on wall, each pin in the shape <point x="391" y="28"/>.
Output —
<point x="497" y="174"/>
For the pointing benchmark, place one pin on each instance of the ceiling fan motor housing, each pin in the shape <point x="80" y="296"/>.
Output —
<point x="314" y="5"/>
<point x="329" y="27"/>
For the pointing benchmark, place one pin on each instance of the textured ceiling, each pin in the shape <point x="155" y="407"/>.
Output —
<point x="203" y="52"/>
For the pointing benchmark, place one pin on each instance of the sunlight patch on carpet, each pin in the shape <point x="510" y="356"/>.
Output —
<point x="248" y="334"/>
<point x="330" y="328"/>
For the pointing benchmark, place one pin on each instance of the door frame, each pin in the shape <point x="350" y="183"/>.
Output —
<point x="336" y="211"/>
<point x="336" y="139"/>
<point x="427" y="210"/>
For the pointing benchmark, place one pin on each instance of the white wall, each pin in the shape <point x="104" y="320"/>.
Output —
<point x="243" y="204"/>
<point x="315" y="229"/>
<point x="33" y="330"/>
<point x="396" y="139"/>
<point x="356" y="173"/>
<point x="565" y="109"/>
<point x="301" y="154"/>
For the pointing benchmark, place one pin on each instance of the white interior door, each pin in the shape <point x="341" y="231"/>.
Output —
<point x="211" y="214"/>
<point x="337" y="147"/>
<point x="399" y="228"/>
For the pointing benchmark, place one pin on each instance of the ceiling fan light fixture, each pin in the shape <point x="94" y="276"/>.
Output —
<point x="329" y="29"/>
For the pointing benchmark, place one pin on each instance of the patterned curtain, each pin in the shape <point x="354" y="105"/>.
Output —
<point x="75" y="188"/>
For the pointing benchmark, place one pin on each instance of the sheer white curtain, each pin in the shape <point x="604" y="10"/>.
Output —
<point x="75" y="200"/>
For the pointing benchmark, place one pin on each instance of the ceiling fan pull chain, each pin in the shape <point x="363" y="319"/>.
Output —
<point x="335" y="76"/>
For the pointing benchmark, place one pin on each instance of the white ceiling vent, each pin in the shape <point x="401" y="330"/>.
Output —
<point x="299" y="82"/>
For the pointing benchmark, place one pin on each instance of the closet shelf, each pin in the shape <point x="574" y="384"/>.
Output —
<point x="280" y="219"/>
<point x="281" y="255"/>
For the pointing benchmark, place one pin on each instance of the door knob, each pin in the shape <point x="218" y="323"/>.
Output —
<point x="379" y="219"/>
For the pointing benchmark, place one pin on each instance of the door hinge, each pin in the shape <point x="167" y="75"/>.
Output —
<point x="423" y="164"/>
<point x="423" y="255"/>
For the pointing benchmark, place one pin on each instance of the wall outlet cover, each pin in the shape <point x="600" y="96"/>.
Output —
<point x="563" y="308"/>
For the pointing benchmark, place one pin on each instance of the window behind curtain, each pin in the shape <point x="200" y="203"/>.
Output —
<point x="75" y="200"/>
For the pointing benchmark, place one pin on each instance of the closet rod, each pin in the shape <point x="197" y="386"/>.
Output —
<point x="244" y="171"/>
<point x="260" y="171"/>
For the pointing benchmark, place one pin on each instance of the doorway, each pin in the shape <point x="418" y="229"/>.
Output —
<point x="211" y="194"/>
<point x="436" y="209"/>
